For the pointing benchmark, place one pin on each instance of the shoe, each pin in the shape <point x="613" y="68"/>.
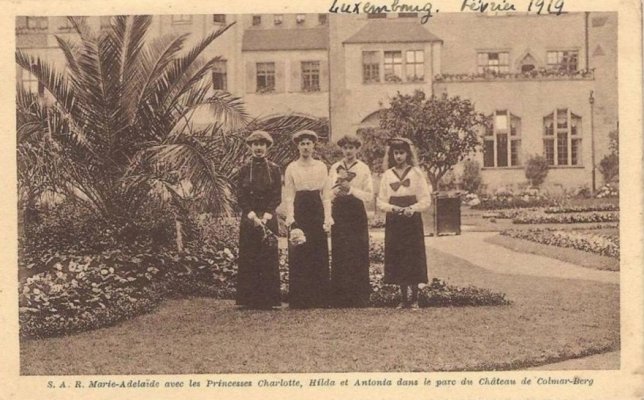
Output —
<point x="400" y="306"/>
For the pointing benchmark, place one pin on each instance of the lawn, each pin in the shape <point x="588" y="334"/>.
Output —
<point x="550" y="320"/>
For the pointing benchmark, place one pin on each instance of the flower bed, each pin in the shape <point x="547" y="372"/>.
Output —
<point x="602" y="244"/>
<point x="570" y="218"/>
<point x="607" y="191"/>
<point x="507" y="200"/>
<point x="74" y="293"/>
<point x="577" y="209"/>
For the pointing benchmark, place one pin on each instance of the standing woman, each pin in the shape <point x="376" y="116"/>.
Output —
<point x="259" y="194"/>
<point x="308" y="208"/>
<point x="404" y="194"/>
<point x="351" y="184"/>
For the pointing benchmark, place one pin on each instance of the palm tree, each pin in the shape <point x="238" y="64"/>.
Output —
<point x="119" y="120"/>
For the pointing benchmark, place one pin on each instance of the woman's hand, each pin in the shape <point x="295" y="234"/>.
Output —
<point x="408" y="212"/>
<point x="327" y="225"/>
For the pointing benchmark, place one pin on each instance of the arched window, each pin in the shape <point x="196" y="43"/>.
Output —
<point x="528" y="63"/>
<point x="502" y="141"/>
<point x="562" y="138"/>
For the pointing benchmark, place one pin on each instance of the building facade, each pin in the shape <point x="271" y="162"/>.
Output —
<point x="548" y="83"/>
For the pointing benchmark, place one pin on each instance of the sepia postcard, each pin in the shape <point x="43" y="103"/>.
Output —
<point x="326" y="199"/>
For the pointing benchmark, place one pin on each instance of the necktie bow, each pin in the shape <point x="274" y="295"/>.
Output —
<point x="396" y="185"/>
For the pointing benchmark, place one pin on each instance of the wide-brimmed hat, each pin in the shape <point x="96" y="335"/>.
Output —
<point x="305" y="134"/>
<point x="349" y="139"/>
<point x="260" y="136"/>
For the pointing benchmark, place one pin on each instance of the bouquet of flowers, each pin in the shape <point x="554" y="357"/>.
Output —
<point x="343" y="176"/>
<point x="297" y="237"/>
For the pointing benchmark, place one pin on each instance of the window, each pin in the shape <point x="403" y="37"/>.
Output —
<point x="265" y="77"/>
<point x="415" y="65"/>
<point x="407" y="15"/>
<point x="257" y="20"/>
<point x="37" y="23"/>
<point x="502" y="141"/>
<point x="278" y="19"/>
<point x="219" y="18"/>
<point x="311" y="76"/>
<point x="376" y="15"/>
<point x="322" y="18"/>
<point x="562" y="61"/>
<point x="181" y="19"/>
<point x="495" y="62"/>
<point x="393" y="66"/>
<point x="300" y="18"/>
<point x="30" y="83"/>
<point x="219" y="76"/>
<point x="370" y="67"/>
<point x="562" y="138"/>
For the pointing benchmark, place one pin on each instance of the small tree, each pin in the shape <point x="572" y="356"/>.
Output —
<point x="471" y="176"/>
<point x="536" y="170"/>
<point x="609" y="165"/>
<point x="444" y="129"/>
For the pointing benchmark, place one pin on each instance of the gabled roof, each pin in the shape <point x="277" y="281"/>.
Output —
<point x="391" y="31"/>
<point x="285" y="39"/>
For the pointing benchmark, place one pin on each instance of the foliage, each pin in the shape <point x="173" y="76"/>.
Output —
<point x="508" y="199"/>
<point x="437" y="294"/>
<point x="602" y="244"/>
<point x="609" y="164"/>
<point x="568" y="218"/>
<point x="444" y="129"/>
<point x="372" y="151"/>
<point x="471" y="178"/>
<point x="609" y="190"/>
<point x="609" y="167"/>
<point x="447" y="182"/>
<point x="114" y="131"/>
<point x="577" y="209"/>
<point x="536" y="170"/>
<point x="377" y="221"/>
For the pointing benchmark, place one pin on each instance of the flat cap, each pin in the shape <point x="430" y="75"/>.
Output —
<point x="305" y="134"/>
<point x="260" y="136"/>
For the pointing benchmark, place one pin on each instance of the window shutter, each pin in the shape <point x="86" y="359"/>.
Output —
<point x="280" y="78"/>
<point x="324" y="76"/>
<point x="251" y="79"/>
<point x="296" y="76"/>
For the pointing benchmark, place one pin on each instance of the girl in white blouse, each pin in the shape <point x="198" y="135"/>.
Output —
<point x="403" y="195"/>
<point x="351" y="184"/>
<point x="308" y="208"/>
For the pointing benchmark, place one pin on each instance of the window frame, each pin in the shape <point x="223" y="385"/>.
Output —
<point x="570" y="129"/>
<point x="221" y="75"/>
<point x="221" y="16"/>
<point x="323" y="19"/>
<point x="40" y="23"/>
<point x="512" y="137"/>
<point x="278" y="19"/>
<point x="181" y="19"/>
<point x="256" y="20"/>
<point x="500" y="68"/>
<point x="560" y="66"/>
<point x="267" y="75"/>
<point x="312" y="75"/>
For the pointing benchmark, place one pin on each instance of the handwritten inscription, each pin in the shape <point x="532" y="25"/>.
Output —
<point x="427" y="10"/>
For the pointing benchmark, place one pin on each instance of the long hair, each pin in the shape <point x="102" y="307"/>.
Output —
<point x="388" y="160"/>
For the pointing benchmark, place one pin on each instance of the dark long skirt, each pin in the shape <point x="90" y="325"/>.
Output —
<point x="405" y="259"/>
<point x="349" y="253"/>
<point x="258" y="277"/>
<point x="309" y="262"/>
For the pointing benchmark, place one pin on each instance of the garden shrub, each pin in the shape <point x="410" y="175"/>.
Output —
<point x="609" y="190"/>
<point x="536" y="170"/>
<point x="471" y="178"/>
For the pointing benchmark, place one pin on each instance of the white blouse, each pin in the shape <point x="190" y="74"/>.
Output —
<point x="361" y="184"/>
<point x="306" y="176"/>
<point x="418" y="187"/>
